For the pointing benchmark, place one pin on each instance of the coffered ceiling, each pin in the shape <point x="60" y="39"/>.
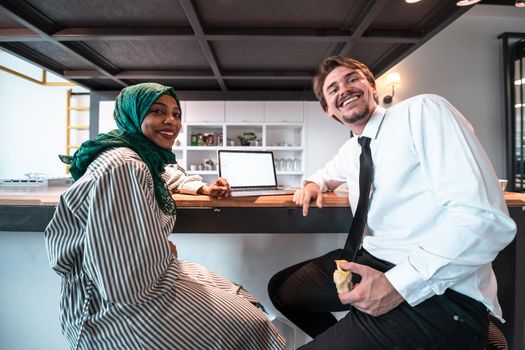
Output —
<point x="215" y="45"/>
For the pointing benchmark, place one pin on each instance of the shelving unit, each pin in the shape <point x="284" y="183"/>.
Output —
<point x="212" y="125"/>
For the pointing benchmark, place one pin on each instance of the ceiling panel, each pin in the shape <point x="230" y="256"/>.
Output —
<point x="112" y="13"/>
<point x="177" y="84"/>
<point x="414" y="15"/>
<point x="99" y="84"/>
<point x="156" y="55"/>
<point x="7" y="22"/>
<point x="58" y="54"/>
<point x="279" y="14"/>
<point x="269" y="56"/>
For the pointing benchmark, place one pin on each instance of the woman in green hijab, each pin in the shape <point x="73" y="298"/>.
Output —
<point x="122" y="286"/>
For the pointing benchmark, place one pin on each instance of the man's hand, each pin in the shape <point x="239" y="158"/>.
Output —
<point x="374" y="295"/>
<point x="219" y="188"/>
<point x="307" y="193"/>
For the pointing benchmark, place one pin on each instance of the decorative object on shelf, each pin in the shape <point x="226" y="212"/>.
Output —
<point x="209" y="164"/>
<point x="282" y="164"/>
<point x="247" y="138"/>
<point x="209" y="139"/>
<point x="392" y="80"/>
<point x="206" y="139"/>
<point x="200" y="140"/>
<point x="296" y="165"/>
<point x="289" y="164"/>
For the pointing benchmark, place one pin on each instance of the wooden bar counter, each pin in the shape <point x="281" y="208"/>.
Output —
<point x="30" y="209"/>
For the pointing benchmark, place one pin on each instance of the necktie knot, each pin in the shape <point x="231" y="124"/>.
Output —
<point x="364" y="141"/>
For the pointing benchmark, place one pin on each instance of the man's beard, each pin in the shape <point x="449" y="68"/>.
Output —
<point x="356" y="116"/>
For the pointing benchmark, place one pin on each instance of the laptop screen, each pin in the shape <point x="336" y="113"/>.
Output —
<point x="247" y="168"/>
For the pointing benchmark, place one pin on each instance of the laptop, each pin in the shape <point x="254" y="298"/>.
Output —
<point x="250" y="173"/>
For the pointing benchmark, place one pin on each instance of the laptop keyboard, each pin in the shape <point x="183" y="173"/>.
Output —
<point x="259" y="193"/>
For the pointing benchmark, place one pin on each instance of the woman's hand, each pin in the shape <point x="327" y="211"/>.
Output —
<point x="173" y="248"/>
<point x="219" y="188"/>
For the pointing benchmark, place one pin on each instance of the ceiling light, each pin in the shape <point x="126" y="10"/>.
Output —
<point x="520" y="3"/>
<point x="467" y="2"/>
<point x="412" y="1"/>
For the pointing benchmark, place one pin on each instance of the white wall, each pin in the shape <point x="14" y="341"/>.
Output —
<point x="463" y="63"/>
<point x="324" y="137"/>
<point x="29" y="294"/>
<point x="32" y="124"/>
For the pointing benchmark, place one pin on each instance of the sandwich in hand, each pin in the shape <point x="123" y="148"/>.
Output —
<point x="342" y="278"/>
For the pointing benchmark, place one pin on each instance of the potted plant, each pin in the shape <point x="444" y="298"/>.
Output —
<point x="247" y="138"/>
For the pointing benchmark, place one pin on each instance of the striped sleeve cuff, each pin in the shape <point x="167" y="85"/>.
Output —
<point x="190" y="187"/>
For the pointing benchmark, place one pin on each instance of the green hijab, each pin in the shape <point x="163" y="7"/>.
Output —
<point x="131" y="107"/>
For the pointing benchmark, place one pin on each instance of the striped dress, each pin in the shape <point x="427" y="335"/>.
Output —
<point x="122" y="288"/>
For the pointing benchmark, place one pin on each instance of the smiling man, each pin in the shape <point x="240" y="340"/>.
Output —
<point x="434" y="221"/>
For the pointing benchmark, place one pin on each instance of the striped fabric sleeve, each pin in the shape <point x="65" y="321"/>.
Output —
<point x="180" y="182"/>
<point x="126" y="251"/>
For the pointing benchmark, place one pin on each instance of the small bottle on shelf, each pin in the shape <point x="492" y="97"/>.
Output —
<point x="200" y="140"/>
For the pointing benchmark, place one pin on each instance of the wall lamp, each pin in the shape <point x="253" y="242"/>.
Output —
<point x="392" y="79"/>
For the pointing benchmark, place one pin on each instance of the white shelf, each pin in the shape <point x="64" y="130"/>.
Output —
<point x="244" y="148"/>
<point x="284" y="148"/>
<point x="203" y="148"/>
<point x="273" y="122"/>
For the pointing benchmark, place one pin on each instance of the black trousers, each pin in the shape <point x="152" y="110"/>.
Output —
<point x="305" y="293"/>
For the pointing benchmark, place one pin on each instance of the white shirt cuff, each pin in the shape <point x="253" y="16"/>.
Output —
<point x="407" y="281"/>
<point x="318" y="180"/>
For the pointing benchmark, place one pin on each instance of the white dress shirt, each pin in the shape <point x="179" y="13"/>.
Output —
<point x="436" y="208"/>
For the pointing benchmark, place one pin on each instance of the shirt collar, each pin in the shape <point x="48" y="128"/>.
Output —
<point x="374" y="123"/>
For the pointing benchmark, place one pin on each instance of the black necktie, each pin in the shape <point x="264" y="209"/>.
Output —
<point x="366" y="169"/>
